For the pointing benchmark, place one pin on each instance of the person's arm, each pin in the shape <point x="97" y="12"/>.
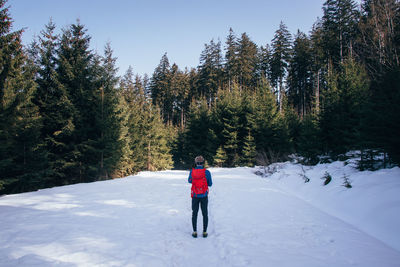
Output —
<point x="190" y="177"/>
<point x="208" y="176"/>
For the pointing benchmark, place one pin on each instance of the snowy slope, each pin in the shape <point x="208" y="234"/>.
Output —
<point x="372" y="204"/>
<point x="144" y="220"/>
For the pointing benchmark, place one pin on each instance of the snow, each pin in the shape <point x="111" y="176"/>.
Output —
<point x="372" y="204"/>
<point x="145" y="220"/>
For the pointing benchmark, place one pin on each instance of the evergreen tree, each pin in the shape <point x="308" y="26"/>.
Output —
<point x="380" y="47"/>
<point x="132" y="90"/>
<point x="228" y="113"/>
<point x="231" y="59"/>
<point x="23" y="160"/>
<point x="148" y="138"/>
<point x="379" y="51"/>
<point x="308" y="144"/>
<point x="247" y="59"/>
<point x="220" y="157"/>
<point x="339" y="28"/>
<point x="110" y="117"/>
<point x="180" y="87"/>
<point x="160" y="88"/>
<point x="266" y="116"/>
<point x="210" y="71"/>
<point x="263" y="68"/>
<point x="29" y="156"/>
<point x="249" y="151"/>
<point x="382" y="128"/>
<point x="78" y="72"/>
<point x="132" y="87"/>
<point x="280" y="57"/>
<point x="286" y="132"/>
<point x="55" y="108"/>
<point x="344" y="108"/>
<point x="199" y="136"/>
<point x="319" y="63"/>
<point x="300" y="88"/>
<point x="247" y="123"/>
<point x="158" y="156"/>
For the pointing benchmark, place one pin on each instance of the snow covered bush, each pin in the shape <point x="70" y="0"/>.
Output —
<point x="346" y="182"/>
<point x="327" y="177"/>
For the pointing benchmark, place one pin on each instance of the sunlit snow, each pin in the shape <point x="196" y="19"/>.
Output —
<point x="145" y="220"/>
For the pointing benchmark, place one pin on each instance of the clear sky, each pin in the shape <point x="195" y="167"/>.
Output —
<point x="141" y="31"/>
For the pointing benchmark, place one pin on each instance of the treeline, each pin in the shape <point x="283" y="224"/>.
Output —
<point x="67" y="117"/>
<point x="324" y="93"/>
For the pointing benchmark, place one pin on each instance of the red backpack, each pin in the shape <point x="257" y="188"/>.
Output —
<point x="199" y="182"/>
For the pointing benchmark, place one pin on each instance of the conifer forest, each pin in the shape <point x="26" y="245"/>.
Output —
<point x="67" y="117"/>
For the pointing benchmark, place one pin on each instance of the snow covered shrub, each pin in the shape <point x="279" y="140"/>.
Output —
<point x="259" y="173"/>
<point x="327" y="177"/>
<point x="346" y="182"/>
<point x="303" y="175"/>
<point x="266" y="171"/>
<point x="325" y="159"/>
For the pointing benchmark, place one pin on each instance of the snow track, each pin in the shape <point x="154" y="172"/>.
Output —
<point x="145" y="220"/>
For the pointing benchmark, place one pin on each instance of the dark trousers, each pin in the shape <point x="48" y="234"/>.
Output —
<point x="196" y="202"/>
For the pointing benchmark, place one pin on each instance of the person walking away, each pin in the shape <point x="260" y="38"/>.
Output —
<point x="200" y="178"/>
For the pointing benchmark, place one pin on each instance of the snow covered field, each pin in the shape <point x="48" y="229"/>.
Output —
<point x="145" y="220"/>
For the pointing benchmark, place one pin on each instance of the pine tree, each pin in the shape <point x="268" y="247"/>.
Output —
<point x="132" y="90"/>
<point x="247" y="59"/>
<point x="308" y="144"/>
<point x="266" y="115"/>
<point x="344" y="108"/>
<point x="379" y="45"/>
<point x="231" y="59"/>
<point x="210" y="71"/>
<point x="220" y="157"/>
<point x="149" y="140"/>
<point x="160" y="88"/>
<point x="180" y="88"/>
<point x="385" y="115"/>
<point x="249" y="151"/>
<point x="78" y="71"/>
<point x="31" y="159"/>
<point x="319" y="63"/>
<point x="23" y="160"/>
<point x="110" y="117"/>
<point x="286" y="132"/>
<point x="339" y="28"/>
<point x="382" y="120"/>
<point x="227" y="114"/>
<point x="300" y="88"/>
<point x="379" y="51"/>
<point x="199" y="136"/>
<point x="263" y="68"/>
<point x="280" y="57"/>
<point x="156" y="140"/>
<point x="55" y="108"/>
<point x="129" y="84"/>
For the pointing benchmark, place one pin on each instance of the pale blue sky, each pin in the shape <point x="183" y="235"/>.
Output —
<point x="141" y="31"/>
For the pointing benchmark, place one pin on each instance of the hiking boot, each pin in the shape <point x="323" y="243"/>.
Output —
<point x="205" y="234"/>
<point x="194" y="234"/>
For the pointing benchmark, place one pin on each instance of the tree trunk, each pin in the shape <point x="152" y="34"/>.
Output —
<point x="280" y="96"/>
<point x="148" y="156"/>
<point x="317" y="94"/>
<point x="102" y="130"/>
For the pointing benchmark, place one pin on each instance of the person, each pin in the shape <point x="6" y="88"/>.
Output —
<point x="200" y="178"/>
